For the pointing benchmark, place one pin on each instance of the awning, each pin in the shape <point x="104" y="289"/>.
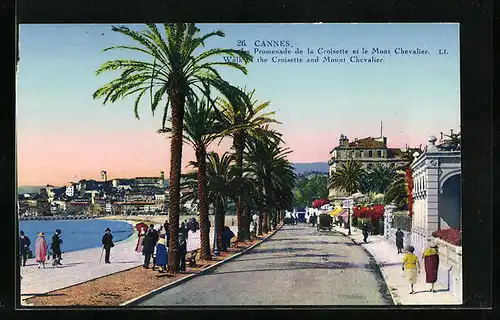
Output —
<point x="335" y="211"/>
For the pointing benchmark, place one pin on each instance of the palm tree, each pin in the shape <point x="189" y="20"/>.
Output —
<point x="200" y="130"/>
<point x="239" y="111"/>
<point x="220" y="185"/>
<point x="265" y="160"/>
<point x="379" y="178"/>
<point x="349" y="177"/>
<point x="172" y="71"/>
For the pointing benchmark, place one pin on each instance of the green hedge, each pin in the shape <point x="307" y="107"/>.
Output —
<point x="401" y="220"/>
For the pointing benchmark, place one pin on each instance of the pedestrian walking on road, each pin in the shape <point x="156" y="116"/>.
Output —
<point x="24" y="247"/>
<point x="431" y="264"/>
<point x="161" y="253"/>
<point x="107" y="243"/>
<point x="365" y="233"/>
<point x="148" y="246"/>
<point x="56" y="248"/>
<point x="138" y="247"/>
<point x="41" y="248"/>
<point x="411" y="266"/>
<point x="399" y="240"/>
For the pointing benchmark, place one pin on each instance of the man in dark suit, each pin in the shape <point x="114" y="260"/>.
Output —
<point x="56" y="247"/>
<point x="107" y="242"/>
<point x="24" y="247"/>
<point x="148" y="246"/>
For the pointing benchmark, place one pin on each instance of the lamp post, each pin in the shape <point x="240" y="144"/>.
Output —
<point x="216" y="234"/>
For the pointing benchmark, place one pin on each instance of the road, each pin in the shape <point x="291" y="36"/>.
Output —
<point x="298" y="265"/>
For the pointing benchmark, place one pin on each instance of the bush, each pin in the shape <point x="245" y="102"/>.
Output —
<point x="401" y="220"/>
<point x="452" y="236"/>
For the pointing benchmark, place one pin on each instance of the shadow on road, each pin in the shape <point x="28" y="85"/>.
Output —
<point x="307" y="255"/>
<point x="322" y="242"/>
<point x="299" y="266"/>
<point x="269" y="250"/>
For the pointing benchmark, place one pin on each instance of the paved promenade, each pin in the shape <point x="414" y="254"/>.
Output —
<point x="298" y="265"/>
<point x="385" y="253"/>
<point x="81" y="266"/>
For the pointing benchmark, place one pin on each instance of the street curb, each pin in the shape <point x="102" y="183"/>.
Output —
<point x="379" y="266"/>
<point x="143" y="297"/>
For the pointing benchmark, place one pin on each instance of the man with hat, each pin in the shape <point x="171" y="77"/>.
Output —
<point x="107" y="243"/>
<point x="56" y="247"/>
<point x="24" y="247"/>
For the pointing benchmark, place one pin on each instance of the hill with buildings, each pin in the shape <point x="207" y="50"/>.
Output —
<point x="311" y="167"/>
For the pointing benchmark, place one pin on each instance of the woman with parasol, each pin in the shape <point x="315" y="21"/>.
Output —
<point x="141" y="228"/>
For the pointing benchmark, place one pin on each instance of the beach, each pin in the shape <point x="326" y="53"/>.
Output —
<point x="83" y="265"/>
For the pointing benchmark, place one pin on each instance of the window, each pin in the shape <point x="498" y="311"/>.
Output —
<point x="370" y="154"/>
<point x="370" y="165"/>
<point x="379" y="153"/>
<point x="358" y="154"/>
<point x="393" y="164"/>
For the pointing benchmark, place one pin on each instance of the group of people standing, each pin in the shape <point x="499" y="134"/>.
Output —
<point x="411" y="263"/>
<point x="153" y="243"/>
<point x="41" y="248"/>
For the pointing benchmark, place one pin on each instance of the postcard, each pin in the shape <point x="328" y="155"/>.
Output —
<point x="200" y="165"/>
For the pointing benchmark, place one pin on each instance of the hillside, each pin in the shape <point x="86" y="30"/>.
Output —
<point x="301" y="168"/>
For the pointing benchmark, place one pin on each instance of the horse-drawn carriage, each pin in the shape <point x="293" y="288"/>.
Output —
<point x="324" y="222"/>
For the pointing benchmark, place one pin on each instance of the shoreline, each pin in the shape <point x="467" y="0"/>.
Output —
<point x="131" y="237"/>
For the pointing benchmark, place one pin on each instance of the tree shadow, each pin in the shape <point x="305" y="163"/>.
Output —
<point x="295" y="265"/>
<point x="276" y="250"/>
<point x="307" y="255"/>
<point x="320" y="242"/>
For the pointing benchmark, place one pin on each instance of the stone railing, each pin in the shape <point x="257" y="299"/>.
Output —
<point x="450" y="267"/>
<point x="449" y="254"/>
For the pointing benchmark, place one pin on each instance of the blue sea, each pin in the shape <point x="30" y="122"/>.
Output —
<point x="76" y="234"/>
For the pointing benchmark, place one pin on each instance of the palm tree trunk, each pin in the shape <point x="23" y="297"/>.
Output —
<point x="178" y="100"/>
<point x="201" y="155"/>
<point x="239" y="147"/>
<point x="265" y="228"/>
<point x="261" y="216"/>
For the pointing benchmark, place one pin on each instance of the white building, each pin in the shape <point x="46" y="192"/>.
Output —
<point x="70" y="190"/>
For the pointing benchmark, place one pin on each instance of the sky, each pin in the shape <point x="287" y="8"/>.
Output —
<point x="64" y="135"/>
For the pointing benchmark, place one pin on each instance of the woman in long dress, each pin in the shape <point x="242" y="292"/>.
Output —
<point x="41" y="248"/>
<point x="161" y="253"/>
<point x="138" y="247"/>
<point x="399" y="240"/>
<point x="431" y="262"/>
<point x="411" y="266"/>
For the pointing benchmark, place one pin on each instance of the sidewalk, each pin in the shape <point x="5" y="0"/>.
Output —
<point x="82" y="266"/>
<point x="385" y="253"/>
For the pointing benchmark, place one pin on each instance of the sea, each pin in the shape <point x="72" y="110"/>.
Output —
<point x="76" y="234"/>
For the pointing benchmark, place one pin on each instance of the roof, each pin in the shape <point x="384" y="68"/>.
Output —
<point x="365" y="143"/>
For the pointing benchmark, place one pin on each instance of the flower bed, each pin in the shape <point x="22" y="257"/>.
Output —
<point x="452" y="236"/>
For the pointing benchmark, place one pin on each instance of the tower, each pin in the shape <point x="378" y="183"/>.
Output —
<point x="104" y="176"/>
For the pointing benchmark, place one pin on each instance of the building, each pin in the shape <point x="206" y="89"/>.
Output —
<point x="369" y="151"/>
<point x="70" y="190"/>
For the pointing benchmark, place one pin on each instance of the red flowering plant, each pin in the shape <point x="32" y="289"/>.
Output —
<point x="319" y="203"/>
<point x="409" y="180"/>
<point x="452" y="236"/>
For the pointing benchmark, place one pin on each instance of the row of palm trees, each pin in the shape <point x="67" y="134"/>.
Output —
<point x="178" y="73"/>
<point x="351" y="178"/>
